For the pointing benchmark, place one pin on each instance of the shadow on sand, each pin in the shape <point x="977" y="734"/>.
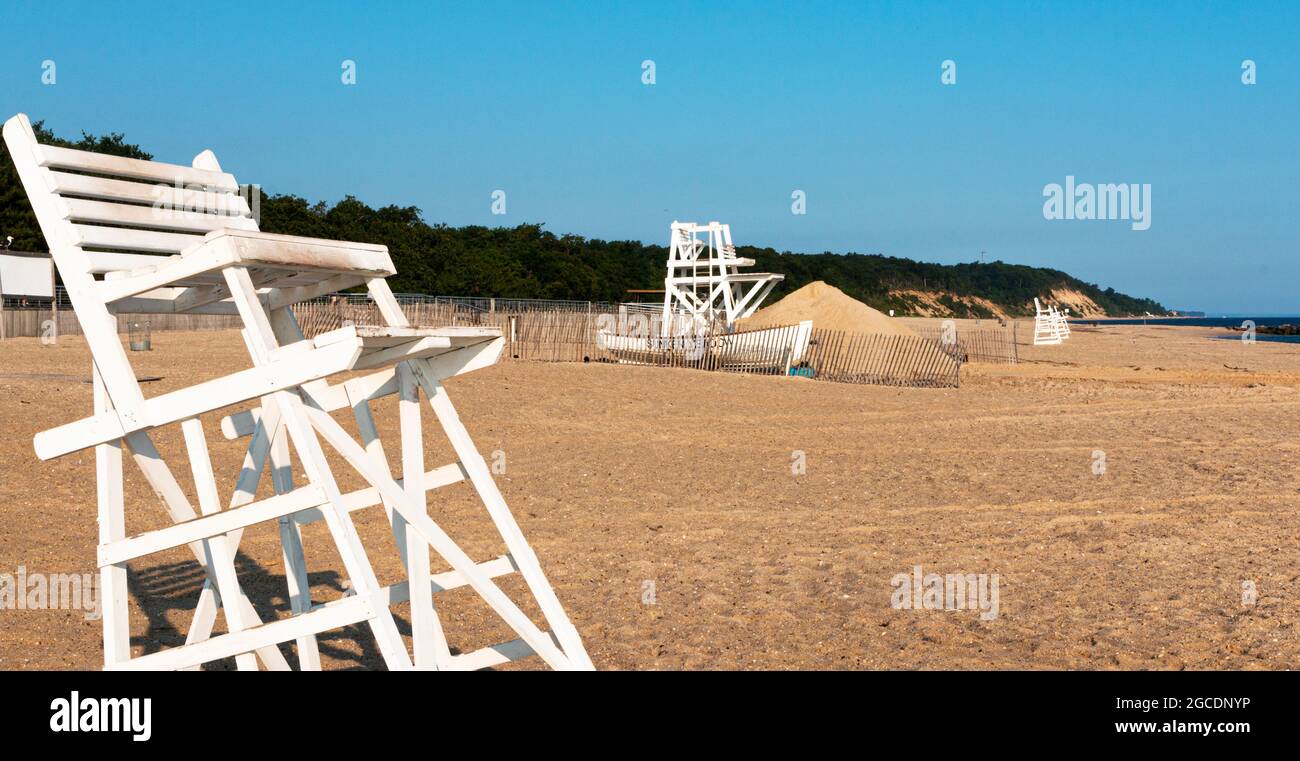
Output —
<point x="168" y="594"/>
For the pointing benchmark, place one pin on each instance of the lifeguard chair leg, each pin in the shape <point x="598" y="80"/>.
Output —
<point x="479" y="474"/>
<point x="295" y="562"/>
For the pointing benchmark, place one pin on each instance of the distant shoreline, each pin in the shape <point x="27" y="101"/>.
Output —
<point x="1207" y="322"/>
<point x="1265" y="327"/>
<point x="1141" y="319"/>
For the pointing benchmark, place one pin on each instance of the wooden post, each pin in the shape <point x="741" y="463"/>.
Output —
<point x="54" y="302"/>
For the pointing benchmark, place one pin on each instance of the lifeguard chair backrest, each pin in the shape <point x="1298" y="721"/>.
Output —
<point x="684" y="243"/>
<point x="102" y="213"/>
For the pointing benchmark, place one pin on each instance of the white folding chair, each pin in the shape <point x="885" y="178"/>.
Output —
<point x="142" y="236"/>
<point x="1063" y="322"/>
<point x="1046" y="328"/>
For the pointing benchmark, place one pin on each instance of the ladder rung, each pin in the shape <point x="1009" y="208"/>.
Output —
<point x="369" y="497"/>
<point x="401" y="591"/>
<point x="333" y="615"/>
<point x="207" y="526"/>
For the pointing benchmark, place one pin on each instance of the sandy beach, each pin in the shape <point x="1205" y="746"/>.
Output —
<point x="664" y="509"/>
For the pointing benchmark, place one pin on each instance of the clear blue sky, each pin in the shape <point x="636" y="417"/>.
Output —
<point x="752" y="101"/>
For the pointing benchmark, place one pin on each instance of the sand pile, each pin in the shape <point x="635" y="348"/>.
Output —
<point x="829" y="308"/>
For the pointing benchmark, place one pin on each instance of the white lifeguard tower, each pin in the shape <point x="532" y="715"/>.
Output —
<point x="704" y="283"/>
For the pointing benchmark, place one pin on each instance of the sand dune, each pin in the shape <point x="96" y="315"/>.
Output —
<point x="829" y="308"/>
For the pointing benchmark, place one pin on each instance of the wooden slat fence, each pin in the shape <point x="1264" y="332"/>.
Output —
<point x="880" y="359"/>
<point x="31" y="323"/>
<point x="986" y="345"/>
<point x="569" y="335"/>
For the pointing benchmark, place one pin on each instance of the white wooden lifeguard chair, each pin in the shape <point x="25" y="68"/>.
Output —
<point x="1063" y="321"/>
<point x="142" y="236"/>
<point x="1047" y="327"/>
<point x="704" y="283"/>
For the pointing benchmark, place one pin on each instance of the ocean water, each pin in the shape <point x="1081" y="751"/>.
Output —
<point x="1211" y="322"/>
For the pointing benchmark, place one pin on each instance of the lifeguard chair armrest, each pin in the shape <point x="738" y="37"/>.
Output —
<point x="253" y="248"/>
<point x="248" y="248"/>
<point x="329" y="397"/>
